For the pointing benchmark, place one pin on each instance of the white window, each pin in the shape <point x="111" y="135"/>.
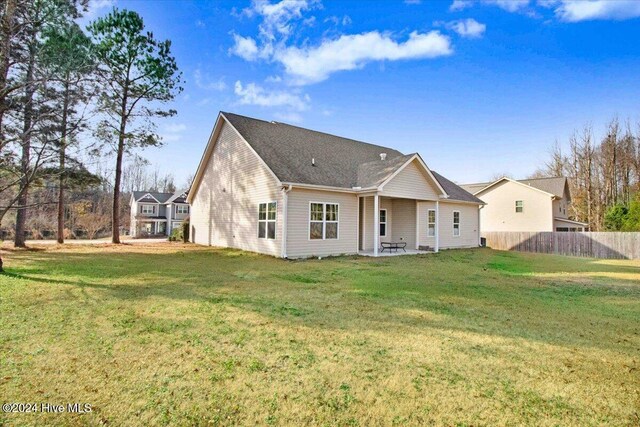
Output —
<point x="323" y="221"/>
<point x="383" y="223"/>
<point x="456" y="223"/>
<point x="148" y="209"/>
<point x="519" y="206"/>
<point x="267" y="220"/>
<point x="431" y="222"/>
<point x="182" y="209"/>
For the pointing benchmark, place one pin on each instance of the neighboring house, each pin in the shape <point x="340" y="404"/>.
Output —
<point x="290" y="192"/>
<point x="157" y="214"/>
<point x="526" y="205"/>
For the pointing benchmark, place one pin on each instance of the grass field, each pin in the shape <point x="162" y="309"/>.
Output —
<point x="174" y="334"/>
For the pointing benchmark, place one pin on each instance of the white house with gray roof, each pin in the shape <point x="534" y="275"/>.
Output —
<point x="534" y="205"/>
<point x="157" y="214"/>
<point x="291" y="192"/>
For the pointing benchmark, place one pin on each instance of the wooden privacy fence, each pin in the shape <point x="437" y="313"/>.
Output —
<point x="610" y="245"/>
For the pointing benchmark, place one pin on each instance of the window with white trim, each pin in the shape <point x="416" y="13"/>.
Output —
<point x="267" y="220"/>
<point x="383" y="223"/>
<point x="182" y="209"/>
<point x="519" y="206"/>
<point x="456" y="223"/>
<point x="431" y="222"/>
<point x="148" y="209"/>
<point x="323" y="221"/>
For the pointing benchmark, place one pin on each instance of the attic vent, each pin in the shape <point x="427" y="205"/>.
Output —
<point x="383" y="156"/>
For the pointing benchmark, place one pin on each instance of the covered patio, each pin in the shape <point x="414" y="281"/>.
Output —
<point x="411" y="224"/>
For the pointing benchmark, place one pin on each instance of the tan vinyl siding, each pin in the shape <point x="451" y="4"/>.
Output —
<point x="560" y="208"/>
<point x="225" y="208"/>
<point x="298" y="243"/>
<point x="468" y="237"/>
<point x="404" y="225"/>
<point x="411" y="183"/>
<point x="499" y="214"/>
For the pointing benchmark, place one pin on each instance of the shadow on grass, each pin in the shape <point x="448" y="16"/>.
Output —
<point x="478" y="291"/>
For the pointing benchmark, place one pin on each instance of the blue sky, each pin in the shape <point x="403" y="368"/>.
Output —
<point x="478" y="88"/>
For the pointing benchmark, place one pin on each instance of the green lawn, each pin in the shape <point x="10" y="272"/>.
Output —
<point x="174" y="334"/>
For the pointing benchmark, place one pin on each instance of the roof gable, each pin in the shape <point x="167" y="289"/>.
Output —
<point x="555" y="186"/>
<point x="179" y="196"/>
<point x="505" y="179"/>
<point x="414" y="160"/>
<point x="151" y="196"/>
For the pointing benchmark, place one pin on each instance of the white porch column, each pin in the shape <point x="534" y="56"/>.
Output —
<point x="376" y="224"/>
<point x="358" y="225"/>
<point x="417" y="226"/>
<point x="364" y="223"/>
<point x="437" y="248"/>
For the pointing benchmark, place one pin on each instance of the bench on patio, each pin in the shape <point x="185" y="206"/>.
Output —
<point x="393" y="245"/>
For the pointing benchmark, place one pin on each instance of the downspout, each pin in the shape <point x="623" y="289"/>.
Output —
<point x="437" y="239"/>
<point x="285" y="208"/>
<point x="479" y="223"/>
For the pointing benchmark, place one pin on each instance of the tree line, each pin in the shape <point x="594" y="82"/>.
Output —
<point x="70" y="96"/>
<point x="604" y="175"/>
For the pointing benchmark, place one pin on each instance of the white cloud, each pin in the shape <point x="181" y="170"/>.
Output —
<point x="277" y="17"/>
<point x="218" y="85"/>
<point x="460" y="5"/>
<point x="244" y="47"/>
<point x="508" y="5"/>
<point x="175" y="127"/>
<point x="173" y="132"/>
<point x="576" y="11"/>
<point x="412" y="1"/>
<point x="313" y="64"/>
<point x="95" y="8"/>
<point x="273" y="79"/>
<point x="252" y="94"/>
<point x="336" y="20"/>
<point x="200" y="24"/>
<point x="466" y="27"/>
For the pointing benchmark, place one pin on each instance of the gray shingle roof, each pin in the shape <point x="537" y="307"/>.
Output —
<point x="289" y="150"/>
<point x="161" y="197"/>
<point x="474" y="188"/>
<point x="553" y="185"/>
<point x="339" y="162"/>
<point x="454" y="191"/>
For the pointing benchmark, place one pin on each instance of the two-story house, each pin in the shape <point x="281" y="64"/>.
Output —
<point x="526" y="205"/>
<point x="157" y="214"/>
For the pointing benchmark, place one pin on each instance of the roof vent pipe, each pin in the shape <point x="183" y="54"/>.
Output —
<point x="313" y="161"/>
<point x="383" y="156"/>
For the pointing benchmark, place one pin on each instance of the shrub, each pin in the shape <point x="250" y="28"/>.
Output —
<point x="185" y="230"/>
<point x="176" y="235"/>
